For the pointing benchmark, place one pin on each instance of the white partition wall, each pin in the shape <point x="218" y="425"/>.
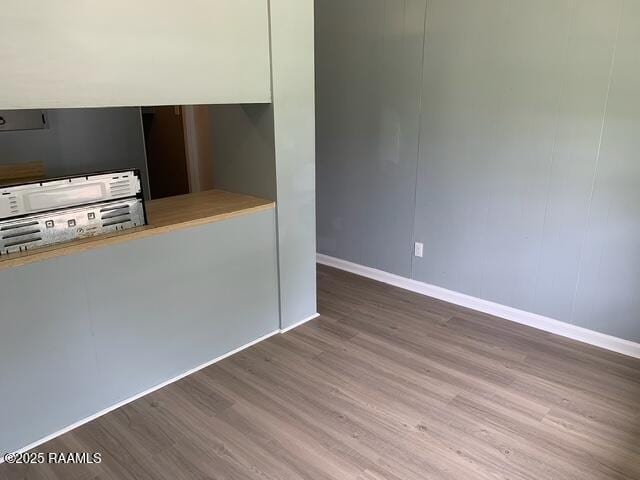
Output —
<point x="185" y="298"/>
<point x="292" y="64"/>
<point x="80" y="53"/>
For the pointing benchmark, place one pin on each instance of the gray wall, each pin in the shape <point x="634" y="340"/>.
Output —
<point x="527" y="184"/>
<point x="369" y="59"/>
<point x="80" y="141"/>
<point x="269" y="151"/>
<point x="242" y="144"/>
<point x="113" y="322"/>
<point x="292" y="73"/>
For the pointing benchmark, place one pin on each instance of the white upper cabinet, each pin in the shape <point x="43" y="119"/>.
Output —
<point x="94" y="53"/>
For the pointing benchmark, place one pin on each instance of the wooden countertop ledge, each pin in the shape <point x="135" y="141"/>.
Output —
<point x="164" y="215"/>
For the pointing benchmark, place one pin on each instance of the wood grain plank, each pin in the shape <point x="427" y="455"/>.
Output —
<point x="384" y="385"/>
<point x="21" y="173"/>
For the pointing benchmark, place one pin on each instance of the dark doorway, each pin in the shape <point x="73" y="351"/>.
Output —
<point x="166" y="156"/>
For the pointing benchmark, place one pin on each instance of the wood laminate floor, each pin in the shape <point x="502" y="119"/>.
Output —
<point x="386" y="384"/>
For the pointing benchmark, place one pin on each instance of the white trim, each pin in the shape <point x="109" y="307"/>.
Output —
<point x="139" y="395"/>
<point x="191" y="149"/>
<point x="291" y="327"/>
<point x="540" y="322"/>
<point x="157" y="387"/>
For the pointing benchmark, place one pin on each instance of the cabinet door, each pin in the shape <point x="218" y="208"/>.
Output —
<point x="144" y="52"/>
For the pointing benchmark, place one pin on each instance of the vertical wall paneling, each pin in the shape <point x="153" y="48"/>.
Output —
<point x="117" y="321"/>
<point x="513" y="204"/>
<point x="292" y="66"/>
<point x="576" y="155"/>
<point x="50" y="378"/>
<point x="487" y="135"/>
<point x="527" y="179"/>
<point x="608" y="288"/>
<point x="369" y="65"/>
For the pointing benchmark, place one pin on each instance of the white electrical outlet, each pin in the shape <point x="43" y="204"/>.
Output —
<point x="418" y="249"/>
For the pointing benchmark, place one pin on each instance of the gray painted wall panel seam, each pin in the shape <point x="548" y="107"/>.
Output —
<point x="596" y="170"/>
<point x="526" y="189"/>
<point x="425" y="37"/>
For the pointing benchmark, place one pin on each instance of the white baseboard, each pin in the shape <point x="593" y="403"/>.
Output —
<point x="291" y="327"/>
<point x="540" y="322"/>
<point x="157" y="387"/>
<point x="139" y="395"/>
